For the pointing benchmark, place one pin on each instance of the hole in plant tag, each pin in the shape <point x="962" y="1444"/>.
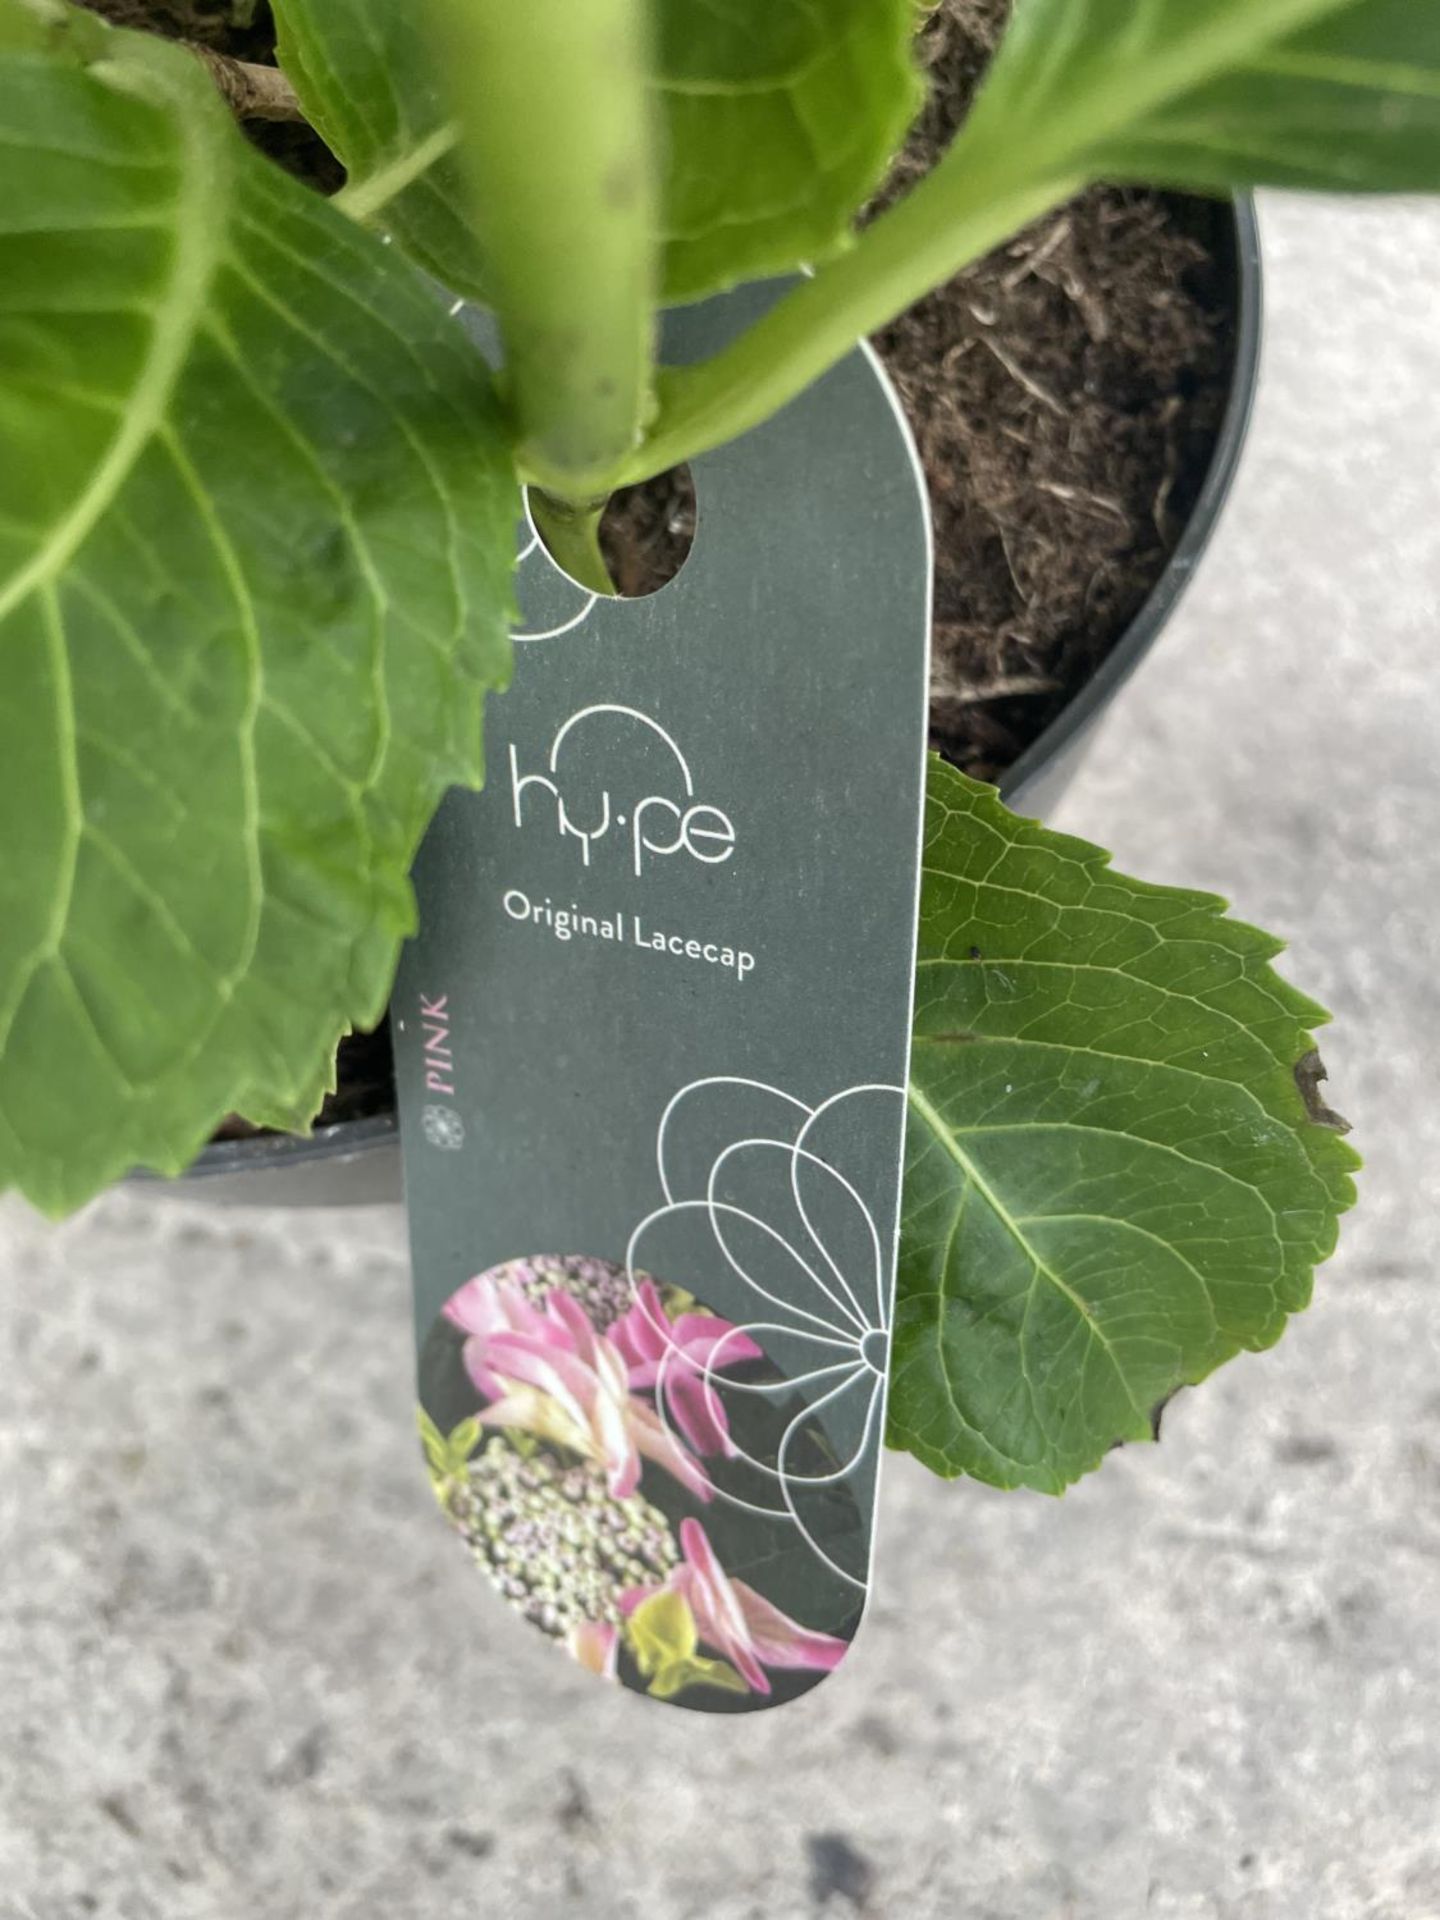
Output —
<point x="647" y="531"/>
<point x="644" y="534"/>
<point x="652" y="1047"/>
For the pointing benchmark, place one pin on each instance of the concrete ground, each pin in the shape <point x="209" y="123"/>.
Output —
<point x="245" y="1672"/>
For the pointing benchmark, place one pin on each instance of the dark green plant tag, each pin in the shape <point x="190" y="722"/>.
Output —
<point x="652" y="1047"/>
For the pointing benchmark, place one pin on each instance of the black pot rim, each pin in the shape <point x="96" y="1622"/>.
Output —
<point x="269" y="1152"/>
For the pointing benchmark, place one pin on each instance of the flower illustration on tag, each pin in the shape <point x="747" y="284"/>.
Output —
<point x="757" y="1198"/>
<point x="542" y="1427"/>
<point x="540" y="583"/>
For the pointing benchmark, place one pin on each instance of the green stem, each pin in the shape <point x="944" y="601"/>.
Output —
<point x="557" y="140"/>
<point x="571" y="532"/>
<point x="953" y="217"/>
<point x="363" y="199"/>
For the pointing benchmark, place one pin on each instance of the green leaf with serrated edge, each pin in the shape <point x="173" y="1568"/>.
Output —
<point x="256" y="527"/>
<point x="1113" y="1183"/>
<point x="779" y="119"/>
<point x="1214" y="94"/>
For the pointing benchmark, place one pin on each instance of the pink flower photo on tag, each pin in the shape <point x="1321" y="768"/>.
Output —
<point x="577" y="1420"/>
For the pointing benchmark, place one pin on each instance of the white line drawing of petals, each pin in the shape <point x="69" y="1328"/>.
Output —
<point x="840" y="1324"/>
<point x="854" y="1369"/>
<point x="882" y="1318"/>
<point x="695" y="1086"/>
<point x="555" y="633"/>
<point x="853" y="1312"/>
<point x="533" y="545"/>
<point x="711" y="1208"/>
<point x="788" y="1510"/>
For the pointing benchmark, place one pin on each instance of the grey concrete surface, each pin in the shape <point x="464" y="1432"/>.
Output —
<point x="245" y="1673"/>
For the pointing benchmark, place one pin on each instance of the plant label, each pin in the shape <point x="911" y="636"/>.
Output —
<point x="652" y="1043"/>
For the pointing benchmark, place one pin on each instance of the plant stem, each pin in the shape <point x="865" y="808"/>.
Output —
<point x="251" y="92"/>
<point x="953" y="217"/>
<point x="556" y="137"/>
<point x="571" y="532"/>
<point x="365" y="198"/>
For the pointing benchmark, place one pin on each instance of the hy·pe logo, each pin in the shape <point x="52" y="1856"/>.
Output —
<point x="649" y="824"/>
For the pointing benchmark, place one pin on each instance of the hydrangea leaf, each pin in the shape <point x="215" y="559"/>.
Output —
<point x="778" y="118"/>
<point x="1216" y="94"/>
<point x="1119" y="1174"/>
<point x="256" y="528"/>
<point x="368" y="80"/>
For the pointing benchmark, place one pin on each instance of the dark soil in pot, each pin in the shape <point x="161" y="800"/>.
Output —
<point x="1066" y="396"/>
